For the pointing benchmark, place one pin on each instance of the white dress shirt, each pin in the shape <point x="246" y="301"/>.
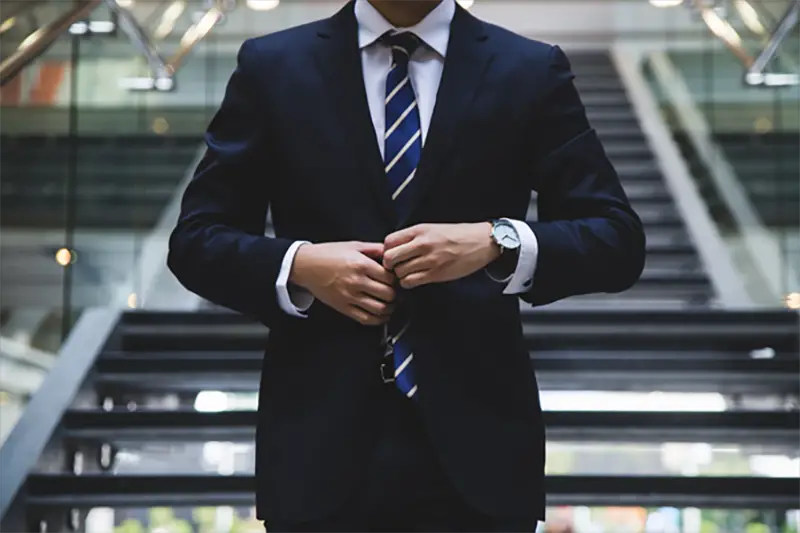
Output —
<point x="425" y="71"/>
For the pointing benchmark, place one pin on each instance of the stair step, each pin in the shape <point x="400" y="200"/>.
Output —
<point x="591" y="369"/>
<point x="599" y="85"/>
<point x="617" y="150"/>
<point x="121" y="491"/>
<point x="624" y="115"/>
<point x="623" y="330"/>
<point x="605" y="100"/>
<point x="189" y="425"/>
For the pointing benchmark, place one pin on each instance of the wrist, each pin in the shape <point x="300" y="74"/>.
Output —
<point x="493" y="249"/>
<point x="299" y="273"/>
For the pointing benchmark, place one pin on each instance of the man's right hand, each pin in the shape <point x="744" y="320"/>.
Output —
<point x="347" y="276"/>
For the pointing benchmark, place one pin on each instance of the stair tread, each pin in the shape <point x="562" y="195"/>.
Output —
<point x="120" y="490"/>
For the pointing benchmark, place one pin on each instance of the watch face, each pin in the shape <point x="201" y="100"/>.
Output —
<point x="506" y="236"/>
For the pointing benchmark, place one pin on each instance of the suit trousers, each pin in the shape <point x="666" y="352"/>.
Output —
<point x="405" y="488"/>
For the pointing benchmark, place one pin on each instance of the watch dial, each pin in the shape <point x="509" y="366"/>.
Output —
<point x="506" y="236"/>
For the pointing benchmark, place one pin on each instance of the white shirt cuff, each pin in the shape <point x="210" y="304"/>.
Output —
<point x="292" y="300"/>
<point x="522" y="278"/>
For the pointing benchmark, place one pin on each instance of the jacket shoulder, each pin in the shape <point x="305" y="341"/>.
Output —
<point x="516" y="44"/>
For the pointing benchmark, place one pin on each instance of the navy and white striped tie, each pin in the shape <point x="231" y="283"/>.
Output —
<point x="403" y="148"/>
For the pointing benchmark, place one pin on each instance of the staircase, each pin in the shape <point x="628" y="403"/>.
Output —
<point x="126" y="417"/>
<point x="673" y="276"/>
<point x="139" y="398"/>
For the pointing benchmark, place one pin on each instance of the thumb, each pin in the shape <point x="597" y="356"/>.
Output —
<point x="373" y="250"/>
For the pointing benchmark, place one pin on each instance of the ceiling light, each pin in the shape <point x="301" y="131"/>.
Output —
<point x="466" y="4"/>
<point x="666" y="3"/>
<point x="263" y="5"/>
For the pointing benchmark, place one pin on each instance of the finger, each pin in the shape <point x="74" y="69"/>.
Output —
<point x="418" y="264"/>
<point x="378" y="273"/>
<point x="378" y="290"/>
<point x="415" y="279"/>
<point x="373" y="306"/>
<point x="392" y="258"/>
<point x="373" y="250"/>
<point x="363" y="317"/>
<point x="401" y="237"/>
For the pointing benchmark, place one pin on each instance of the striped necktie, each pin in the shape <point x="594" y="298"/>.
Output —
<point x="403" y="148"/>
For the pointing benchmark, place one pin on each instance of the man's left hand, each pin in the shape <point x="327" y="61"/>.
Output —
<point x="434" y="253"/>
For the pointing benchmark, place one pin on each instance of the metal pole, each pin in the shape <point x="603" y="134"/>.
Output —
<point x="140" y="40"/>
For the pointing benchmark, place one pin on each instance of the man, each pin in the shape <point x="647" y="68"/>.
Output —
<point x="397" y="144"/>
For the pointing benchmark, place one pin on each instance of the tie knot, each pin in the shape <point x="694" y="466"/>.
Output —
<point x="405" y="43"/>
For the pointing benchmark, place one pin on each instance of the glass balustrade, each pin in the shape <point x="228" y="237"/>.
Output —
<point x="92" y="168"/>
<point x="733" y="105"/>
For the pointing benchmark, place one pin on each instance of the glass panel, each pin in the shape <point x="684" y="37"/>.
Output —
<point x="740" y="140"/>
<point x="35" y="213"/>
<point x="92" y="173"/>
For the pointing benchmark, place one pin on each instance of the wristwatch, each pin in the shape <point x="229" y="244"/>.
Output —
<point x="505" y="235"/>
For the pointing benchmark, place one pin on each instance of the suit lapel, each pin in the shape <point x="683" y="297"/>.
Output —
<point x="468" y="58"/>
<point x="339" y="59"/>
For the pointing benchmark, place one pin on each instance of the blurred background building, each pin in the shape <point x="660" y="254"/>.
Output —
<point x="127" y="404"/>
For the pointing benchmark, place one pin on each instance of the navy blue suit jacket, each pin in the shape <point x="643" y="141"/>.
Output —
<point x="294" y="134"/>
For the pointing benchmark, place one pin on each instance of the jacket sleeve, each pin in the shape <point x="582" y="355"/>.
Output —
<point x="590" y="239"/>
<point x="218" y="249"/>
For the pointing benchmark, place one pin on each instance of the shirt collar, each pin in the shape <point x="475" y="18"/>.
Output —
<point x="434" y="29"/>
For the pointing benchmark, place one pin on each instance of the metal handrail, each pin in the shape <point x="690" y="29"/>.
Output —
<point x="29" y="437"/>
<point x="162" y="71"/>
<point x="754" y="66"/>
<point x="755" y="72"/>
<point x="39" y="41"/>
<point x="139" y="38"/>
<point x="724" y="31"/>
<point x="194" y="35"/>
